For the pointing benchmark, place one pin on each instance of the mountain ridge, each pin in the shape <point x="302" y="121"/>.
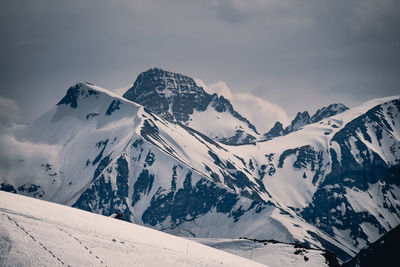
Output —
<point x="303" y="118"/>
<point x="173" y="178"/>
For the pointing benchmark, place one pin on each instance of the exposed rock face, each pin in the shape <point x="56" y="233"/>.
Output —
<point x="301" y="119"/>
<point x="176" y="97"/>
<point x="170" y="95"/>
<point x="275" y="131"/>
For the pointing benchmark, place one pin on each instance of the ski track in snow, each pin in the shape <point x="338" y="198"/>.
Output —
<point x="84" y="246"/>
<point x="4" y="211"/>
<point x="34" y="239"/>
<point x="40" y="233"/>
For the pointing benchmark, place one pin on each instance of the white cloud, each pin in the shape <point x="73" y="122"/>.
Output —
<point x="9" y="112"/>
<point x="263" y="114"/>
<point x="220" y="88"/>
<point x="122" y="90"/>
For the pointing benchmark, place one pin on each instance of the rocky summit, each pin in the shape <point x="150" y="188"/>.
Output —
<point x="178" y="98"/>
<point x="170" y="95"/>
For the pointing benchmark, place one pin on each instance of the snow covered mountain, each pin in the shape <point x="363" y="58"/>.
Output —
<point x="347" y="179"/>
<point x="102" y="153"/>
<point x="40" y="233"/>
<point x="303" y="118"/>
<point x="332" y="184"/>
<point x="178" y="98"/>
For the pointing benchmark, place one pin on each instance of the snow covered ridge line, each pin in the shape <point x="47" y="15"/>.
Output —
<point x="333" y="111"/>
<point x="39" y="233"/>
<point x="107" y="155"/>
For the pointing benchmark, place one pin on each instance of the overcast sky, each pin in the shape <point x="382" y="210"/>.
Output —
<point x="300" y="55"/>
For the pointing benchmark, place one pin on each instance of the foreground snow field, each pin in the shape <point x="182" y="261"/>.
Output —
<point x="39" y="233"/>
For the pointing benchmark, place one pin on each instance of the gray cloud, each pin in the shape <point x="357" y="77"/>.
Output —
<point x="314" y="52"/>
<point x="9" y="112"/>
<point x="263" y="114"/>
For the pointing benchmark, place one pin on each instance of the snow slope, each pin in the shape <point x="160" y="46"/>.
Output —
<point x="39" y="233"/>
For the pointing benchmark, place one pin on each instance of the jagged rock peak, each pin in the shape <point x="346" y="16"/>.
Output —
<point x="164" y="82"/>
<point x="301" y="119"/>
<point x="176" y="97"/>
<point x="275" y="131"/>
<point x="171" y="95"/>
<point x="328" y="111"/>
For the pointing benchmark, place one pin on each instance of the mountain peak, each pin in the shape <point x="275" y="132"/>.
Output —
<point x="301" y="119"/>
<point x="328" y="111"/>
<point x="275" y="131"/>
<point x="165" y="83"/>
<point x="73" y="93"/>
<point x="168" y="94"/>
<point x="178" y="98"/>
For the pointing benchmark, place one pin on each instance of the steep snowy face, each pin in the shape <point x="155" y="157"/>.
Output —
<point x="58" y="154"/>
<point x="176" y="97"/>
<point x="361" y="193"/>
<point x="328" y="111"/>
<point x="340" y="174"/>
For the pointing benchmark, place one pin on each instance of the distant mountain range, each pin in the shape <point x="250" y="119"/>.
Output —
<point x="171" y="156"/>
<point x="303" y="118"/>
